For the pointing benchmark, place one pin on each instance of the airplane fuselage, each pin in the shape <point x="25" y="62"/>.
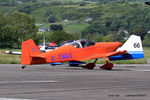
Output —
<point x="70" y="53"/>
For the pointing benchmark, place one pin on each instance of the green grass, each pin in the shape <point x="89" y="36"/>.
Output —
<point x="147" y="52"/>
<point x="7" y="9"/>
<point x="70" y="27"/>
<point x="9" y="59"/>
<point x="59" y="0"/>
<point x="75" y="27"/>
<point x="87" y="6"/>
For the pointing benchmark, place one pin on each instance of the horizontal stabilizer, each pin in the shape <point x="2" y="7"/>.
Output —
<point x="127" y="56"/>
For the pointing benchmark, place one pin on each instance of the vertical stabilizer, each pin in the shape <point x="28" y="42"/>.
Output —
<point x="28" y="50"/>
<point x="132" y="44"/>
<point x="134" y="49"/>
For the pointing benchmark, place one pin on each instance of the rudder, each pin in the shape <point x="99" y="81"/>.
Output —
<point x="134" y="49"/>
<point x="28" y="50"/>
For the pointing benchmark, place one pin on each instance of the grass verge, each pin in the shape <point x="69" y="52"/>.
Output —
<point x="9" y="59"/>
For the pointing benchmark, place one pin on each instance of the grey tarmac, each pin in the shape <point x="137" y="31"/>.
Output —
<point x="45" y="82"/>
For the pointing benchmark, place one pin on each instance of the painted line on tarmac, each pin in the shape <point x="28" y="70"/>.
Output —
<point x="14" y="99"/>
<point x="45" y="81"/>
<point x="143" y="70"/>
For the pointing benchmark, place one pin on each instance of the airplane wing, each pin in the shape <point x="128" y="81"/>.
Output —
<point x="12" y="52"/>
<point x="116" y="53"/>
<point x="105" y="55"/>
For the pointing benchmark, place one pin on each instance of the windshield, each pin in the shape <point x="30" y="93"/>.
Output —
<point x="83" y="43"/>
<point x="76" y="44"/>
<point x="65" y="43"/>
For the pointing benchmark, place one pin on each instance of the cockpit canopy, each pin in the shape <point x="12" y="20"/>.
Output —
<point x="65" y="43"/>
<point x="82" y="43"/>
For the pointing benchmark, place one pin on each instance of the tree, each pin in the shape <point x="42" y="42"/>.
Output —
<point x="140" y="31"/>
<point x="24" y="25"/>
<point x="82" y="3"/>
<point x="16" y="28"/>
<point x="29" y="0"/>
<point x="7" y="32"/>
<point x="146" y="41"/>
<point x="48" y="13"/>
<point x="59" y="36"/>
<point x="55" y="27"/>
<point x="51" y="19"/>
<point x="26" y="9"/>
<point x="55" y="3"/>
<point x="108" y="38"/>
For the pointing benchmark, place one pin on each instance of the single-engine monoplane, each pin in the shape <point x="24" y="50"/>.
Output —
<point x="83" y="49"/>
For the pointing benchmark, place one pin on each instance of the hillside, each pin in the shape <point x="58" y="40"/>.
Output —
<point x="108" y="17"/>
<point x="67" y="9"/>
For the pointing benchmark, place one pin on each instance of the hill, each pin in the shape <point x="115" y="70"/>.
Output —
<point x="108" y="16"/>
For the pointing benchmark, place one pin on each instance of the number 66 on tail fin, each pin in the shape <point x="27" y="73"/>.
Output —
<point x="134" y="49"/>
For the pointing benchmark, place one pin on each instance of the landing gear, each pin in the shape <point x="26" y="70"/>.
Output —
<point x="90" y="65"/>
<point x="107" y="66"/>
<point x="23" y="67"/>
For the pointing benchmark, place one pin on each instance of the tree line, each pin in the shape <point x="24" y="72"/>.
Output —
<point x="16" y="28"/>
<point x="135" y="20"/>
<point x="109" y="22"/>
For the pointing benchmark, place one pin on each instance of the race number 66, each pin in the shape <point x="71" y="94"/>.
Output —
<point x="136" y="45"/>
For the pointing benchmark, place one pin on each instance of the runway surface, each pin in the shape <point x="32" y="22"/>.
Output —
<point x="45" y="82"/>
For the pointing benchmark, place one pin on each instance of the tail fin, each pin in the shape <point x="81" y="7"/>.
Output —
<point x="28" y="50"/>
<point x="134" y="49"/>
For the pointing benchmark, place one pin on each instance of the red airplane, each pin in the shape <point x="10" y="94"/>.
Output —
<point x="83" y="49"/>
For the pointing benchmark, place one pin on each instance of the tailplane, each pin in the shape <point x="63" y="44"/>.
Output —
<point x="134" y="49"/>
